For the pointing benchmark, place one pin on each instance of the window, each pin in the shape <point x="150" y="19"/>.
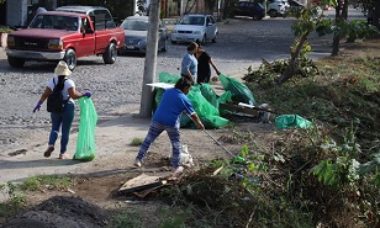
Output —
<point x="103" y="20"/>
<point x="55" y="22"/>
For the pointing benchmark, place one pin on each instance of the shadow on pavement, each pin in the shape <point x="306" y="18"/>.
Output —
<point x="8" y="164"/>
<point x="40" y="67"/>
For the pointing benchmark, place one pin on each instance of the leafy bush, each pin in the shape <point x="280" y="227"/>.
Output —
<point x="5" y="29"/>
<point x="268" y="73"/>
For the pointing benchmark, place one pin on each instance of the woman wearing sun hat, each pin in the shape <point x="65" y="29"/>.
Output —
<point x="65" y="118"/>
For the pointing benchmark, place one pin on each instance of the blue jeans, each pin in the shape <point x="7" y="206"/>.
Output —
<point x="65" y="119"/>
<point x="155" y="130"/>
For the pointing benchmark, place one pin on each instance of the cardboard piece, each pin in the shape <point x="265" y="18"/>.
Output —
<point x="161" y="85"/>
<point x="141" y="183"/>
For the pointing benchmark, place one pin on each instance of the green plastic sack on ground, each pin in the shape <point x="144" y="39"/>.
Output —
<point x="291" y="120"/>
<point x="206" y="111"/>
<point x="86" y="147"/>
<point x="209" y="94"/>
<point x="240" y="92"/>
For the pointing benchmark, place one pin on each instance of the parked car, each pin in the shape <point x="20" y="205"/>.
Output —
<point x="195" y="27"/>
<point x="278" y="7"/>
<point x="68" y="33"/>
<point x="136" y="31"/>
<point x="295" y="5"/>
<point x="252" y="9"/>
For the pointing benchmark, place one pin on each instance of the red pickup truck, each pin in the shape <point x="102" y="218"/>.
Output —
<point x="68" y="33"/>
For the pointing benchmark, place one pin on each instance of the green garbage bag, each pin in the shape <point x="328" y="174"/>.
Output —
<point x="240" y="92"/>
<point x="168" y="78"/>
<point x="86" y="147"/>
<point x="209" y="94"/>
<point x="291" y="120"/>
<point x="206" y="111"/>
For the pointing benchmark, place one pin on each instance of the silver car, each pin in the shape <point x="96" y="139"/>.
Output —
<point x="136" y="31"/>
<point x="195" y="27"/>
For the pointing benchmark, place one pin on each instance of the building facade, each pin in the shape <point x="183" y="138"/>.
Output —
<point x="21" y="12"/>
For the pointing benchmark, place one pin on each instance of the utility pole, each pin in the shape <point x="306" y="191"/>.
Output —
<point x="150" y="59"/>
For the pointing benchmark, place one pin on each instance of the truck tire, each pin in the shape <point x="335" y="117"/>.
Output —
<point x="16" y="62"/>
<point x="71" y="59"/>
<point x="109" y="57"/>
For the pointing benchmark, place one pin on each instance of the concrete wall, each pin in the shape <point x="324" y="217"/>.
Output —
<point x="16" y="12"/>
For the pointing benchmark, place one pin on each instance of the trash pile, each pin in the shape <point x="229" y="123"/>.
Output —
<point x="206" y="102"/>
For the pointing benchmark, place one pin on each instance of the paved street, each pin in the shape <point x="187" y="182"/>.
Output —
<point x="117" y="88"/>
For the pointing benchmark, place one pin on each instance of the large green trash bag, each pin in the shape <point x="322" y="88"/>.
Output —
<point x="86" y="147"/>
<point x="211" y="96"/>
<point x="206" y="111"/>
<point x="168" y="78"/>
<point x="291" y="120"/>
<point x="240" y="92"/>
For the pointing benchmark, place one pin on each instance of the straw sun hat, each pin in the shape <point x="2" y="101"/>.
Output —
<point x="62" y="69"/>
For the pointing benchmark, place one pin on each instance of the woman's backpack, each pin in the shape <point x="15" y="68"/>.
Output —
<point x="55" y="101"/>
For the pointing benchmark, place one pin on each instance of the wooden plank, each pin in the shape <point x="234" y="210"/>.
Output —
<point x="140" y="183"/>
<point x="236" y="109"/>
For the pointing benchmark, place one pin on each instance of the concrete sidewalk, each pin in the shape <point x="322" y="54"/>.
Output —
<point x="113" y="152"/>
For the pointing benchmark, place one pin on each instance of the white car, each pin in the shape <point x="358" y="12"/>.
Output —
<point x="195" y="28"/>
<point x="278" y="7"/>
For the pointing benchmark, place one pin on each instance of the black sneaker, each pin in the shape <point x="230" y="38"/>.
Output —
<point x="48" y="151"/>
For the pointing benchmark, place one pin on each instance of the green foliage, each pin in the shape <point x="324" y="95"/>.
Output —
<point x="307" y="20"/>
<point x="51" y="182"/>
<point x="137" y="141"/>
<point x="359" y="29"/>
<point x="352" y="30"/>
<point x="5" y="29"/>
<point x="173" y="219"/>
<point x="16" y="201"/>
<point x="126" y="219"/>
<point x="268" y="73"/>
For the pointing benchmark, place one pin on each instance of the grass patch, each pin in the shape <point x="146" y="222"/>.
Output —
<point x="126" y="219"/>
<point x="136" y="141"/>
<point x="16" y="202"/>
<point x="51" y="182"/>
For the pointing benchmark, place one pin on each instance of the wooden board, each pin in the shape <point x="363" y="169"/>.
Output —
<point x="240" y="110"/>
<point x="140" y="183"/>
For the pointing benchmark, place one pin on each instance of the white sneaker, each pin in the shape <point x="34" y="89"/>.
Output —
<point x="178" y="171"/>
<point x="137" y="163"/>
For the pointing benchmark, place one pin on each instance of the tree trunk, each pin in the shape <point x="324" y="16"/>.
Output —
<point x="338" y="20"/>
<point x="376" y="14"/>
<point x="293" y="62"/>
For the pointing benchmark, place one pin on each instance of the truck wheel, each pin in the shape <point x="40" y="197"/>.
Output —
<point x="214" y="39"/>
<point x="109" y="57"/>
<point x="272" y="13"/>
<point x="71" y="59"/>
<point x="16" y="62"/>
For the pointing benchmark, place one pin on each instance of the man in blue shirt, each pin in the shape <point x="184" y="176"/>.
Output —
<point x="189" y="65"/>
<point x="166" y="117"/>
